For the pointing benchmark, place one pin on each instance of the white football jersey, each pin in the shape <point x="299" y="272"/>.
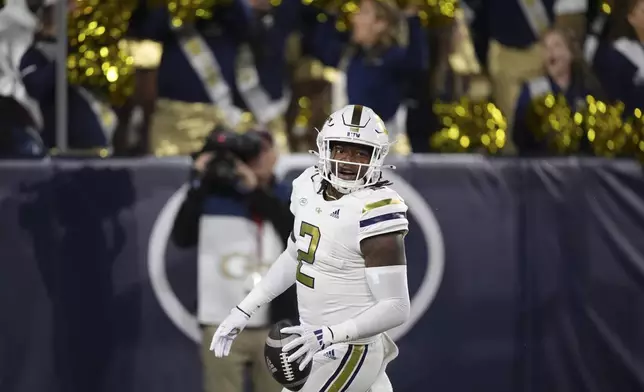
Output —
<point x="331" y="280"/>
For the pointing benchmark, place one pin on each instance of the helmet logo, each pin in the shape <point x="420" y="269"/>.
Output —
<point x="354" y="125"/>
<point x="381" y="127"/>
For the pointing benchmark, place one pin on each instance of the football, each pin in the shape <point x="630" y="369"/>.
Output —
<point x="285" y="373"/>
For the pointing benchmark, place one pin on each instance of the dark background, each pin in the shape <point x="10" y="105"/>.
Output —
<point x="543" y="288"/>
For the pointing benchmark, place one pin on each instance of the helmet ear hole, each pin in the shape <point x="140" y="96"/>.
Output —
<point x="384" y="151"/>
<point x="319" y="140"/>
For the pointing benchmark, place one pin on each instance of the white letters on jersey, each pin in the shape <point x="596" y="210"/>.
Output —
<point x="331" y="283"/>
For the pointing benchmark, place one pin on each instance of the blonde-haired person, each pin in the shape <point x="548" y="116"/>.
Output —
<point x="508" y="33"/>
<point x="621" y="69"/>
<point x="566" y="73"/>
<point x="374" y="58"/>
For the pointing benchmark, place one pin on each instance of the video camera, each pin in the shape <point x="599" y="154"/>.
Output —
<point x="227" y="147"/>
<point x="36" y="6"/>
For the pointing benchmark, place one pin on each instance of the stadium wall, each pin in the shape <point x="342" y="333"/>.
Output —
<point x="526" y="275"/>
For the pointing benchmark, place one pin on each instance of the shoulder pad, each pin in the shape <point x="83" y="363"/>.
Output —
<point x="374" y="198"/>
<point x="382" y="211"/>
<point x="309" y="177"/>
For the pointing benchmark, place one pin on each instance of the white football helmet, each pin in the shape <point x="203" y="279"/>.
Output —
<point x="355" y="124"/>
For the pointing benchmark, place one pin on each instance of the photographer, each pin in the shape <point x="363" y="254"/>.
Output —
<point x="238" y="215"/>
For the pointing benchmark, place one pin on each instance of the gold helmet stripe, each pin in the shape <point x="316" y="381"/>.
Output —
<point x="356" y="116"/>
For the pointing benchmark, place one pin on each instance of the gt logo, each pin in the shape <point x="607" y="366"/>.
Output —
<point x="381" y="127"/>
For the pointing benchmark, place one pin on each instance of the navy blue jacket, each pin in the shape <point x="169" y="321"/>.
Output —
<point x="39" y="78"/>
<point x="620" y="79"/>
<point x="380" y="81"/>
<point x="503" y="21"/>
<point x="231" y="26"/>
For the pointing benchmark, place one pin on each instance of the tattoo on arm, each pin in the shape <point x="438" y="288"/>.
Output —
<point x="384" y="250"/>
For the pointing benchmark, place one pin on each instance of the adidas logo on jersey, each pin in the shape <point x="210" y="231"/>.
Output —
<point x="335" y="214"/>
<point x="330" y="354"/>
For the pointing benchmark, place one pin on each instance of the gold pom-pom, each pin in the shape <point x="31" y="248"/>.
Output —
<point x="187" y="11"/>
<point x="637" y="138"/>
<point x="611" y="135"/>
<point x="553" y="121"/>
<point x="97" y="59"/>
<point x="469" y="127"/>
<point x="604" y="128"/>
<point x="601" y="125"/>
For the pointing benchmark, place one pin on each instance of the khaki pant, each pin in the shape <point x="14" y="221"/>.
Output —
<point x="227" y="374"/>
<point x="180" y="128"/>
<point x="509" y="68"/>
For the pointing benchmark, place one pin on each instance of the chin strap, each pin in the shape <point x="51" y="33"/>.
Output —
<point x="338" y="185"/>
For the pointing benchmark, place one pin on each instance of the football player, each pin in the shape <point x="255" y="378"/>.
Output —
<point x="347" y="256"/>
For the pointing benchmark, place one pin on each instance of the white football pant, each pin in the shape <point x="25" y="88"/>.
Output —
<point x="352" y="367"/>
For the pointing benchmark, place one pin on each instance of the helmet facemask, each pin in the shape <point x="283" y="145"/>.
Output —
<point x="367" y="174"/>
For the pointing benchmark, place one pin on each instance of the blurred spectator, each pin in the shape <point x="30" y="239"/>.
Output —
<point x="374" y="60"/>
<point x="229" y="69"/>
<point x="311" y="101"/>
<point x="21" y="117"/>
<point x="512" y="29"/>
<point x="566" y="73"/>
<point x="596" y="42"/>
<point x="131" y="137"/>
<point x="420" y="119"/>
<point x="621" y="69"/>
<point x="91" y="120"/>
<point x="455" y="70"/>
<point x="426" y="84"/>
<point x="238" y="215"/>
<point x="236" y="68"/>
<point x="275" y="27"/>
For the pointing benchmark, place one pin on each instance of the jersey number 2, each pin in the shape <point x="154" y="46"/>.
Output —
<point x="307" y="229"/>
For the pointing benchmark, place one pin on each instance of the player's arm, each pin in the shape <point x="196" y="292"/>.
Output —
<point x="282" y="273"/>
<point x="384" y="250"/>
<point x="386" y="274"/>
<point x="381" y="236"/>
<point x="279" y="277"/>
